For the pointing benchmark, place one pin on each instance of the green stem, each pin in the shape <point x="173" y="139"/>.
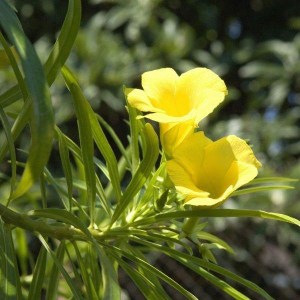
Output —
<point x="189" y="225"/>
<point x="59" y="232"/>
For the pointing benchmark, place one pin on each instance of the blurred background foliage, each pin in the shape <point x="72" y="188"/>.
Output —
<point x="253" y="45"/>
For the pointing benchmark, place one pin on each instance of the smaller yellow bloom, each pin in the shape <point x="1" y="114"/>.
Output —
<point x="172" y="135"/>
<point x="175" y="99"/>
<point x="207" y="172"/>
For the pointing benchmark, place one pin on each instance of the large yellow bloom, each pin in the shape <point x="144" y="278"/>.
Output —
<point x="207" y="172"/>
<point x="175" y="99"/>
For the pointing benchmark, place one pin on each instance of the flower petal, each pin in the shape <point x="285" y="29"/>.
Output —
<point x="202" y="89"/>
<point x="183" y="181"/>
<point x="163" y="117"/>
<point x="160" y="87"/>
<point x="242" y="151"/>
<point x="137" y="98"/>
<point x="172" y="135"/>
<point x="190" y="153"/>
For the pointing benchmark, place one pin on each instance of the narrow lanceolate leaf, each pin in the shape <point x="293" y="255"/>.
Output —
<point x="4" y="59"/>
<point x="59" y="53"/>
<point x="11" y="147"/>
<point x="159" y="290"/>
<point x="10" y="287"/>
<point x="258" y="189"/>
<point x="107" y="152"/>
<point x="115" y="138"/>
<point x="219" y="213"/>
<point x="85" y="136"/>
<point x="198" y="265"/>
<point x="52" y="289"/>
<point x="147" y="288"/>
<point x="38" y="276"/>
<point x="134" y="135"/>
<point x="66" y="164"/>
<point x="65" y="41"/>
<point x="86" y="278"/>
<point x="142" y="173"/>
<point x="61" y="215"/>
<point x="56" y="59"/>
<point x="111" y="288"/>
<point x="202" y="235"/>
<point x="74" y="289"/>
<point x="42" y="122"/>
<point x="147" y="267"/>
<point x="272" y="180"/>
<point x="13" y="61"/>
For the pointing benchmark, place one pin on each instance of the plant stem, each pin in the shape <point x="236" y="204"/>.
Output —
<point x="189" y="225"/>
<point x="59" y="232"/>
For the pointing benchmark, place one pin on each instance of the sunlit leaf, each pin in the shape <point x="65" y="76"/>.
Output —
<point x="85" y="136"/>
<point x="142" y="172"/>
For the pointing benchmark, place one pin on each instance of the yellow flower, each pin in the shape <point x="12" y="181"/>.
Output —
<point x="207" y="172"/>
<point x="175" y="99"/>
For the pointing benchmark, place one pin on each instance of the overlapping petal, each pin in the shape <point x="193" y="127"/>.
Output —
<point x="172" y="135"/>
<point x="207" y="172"/>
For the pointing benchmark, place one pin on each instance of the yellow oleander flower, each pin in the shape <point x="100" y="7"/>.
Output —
<point x="175" y="99"/>
<point x="207" y="172"/>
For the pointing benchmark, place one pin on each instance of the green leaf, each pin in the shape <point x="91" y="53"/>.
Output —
<point x="85" y="136"/>
<point x="115" y="138"/>
<point x="59" y="54"/>
<point x="56" y="59"/>
<point x="22" y="250"/>
<point x="51" y="291"/>
<point x="38" y="276"/>
<point x="217" y="213"/>
<point x="111" y="288"/>
<point x="66" y="164"/>
<point x="149" y="268"/>
<point x="87" y="280"/>
<point x="202" y="235"/>
<point x="11" y="147"/>
<point x="21" y="120"/>
<point x="12" y="58"/>
<point x="60" y="215"/>
<point x="195" y="263"/>
<point x="272" y="179"/>
<point x="42" y="123"/>
<point x="142" y="173"/>
<point x="107" y="152"/>
<point x="159" y="290"/>
<point x="95" y="271"/>
<point x="146" y="286"/>
<point x="258" y="189"/>
<point x="149" y="235"/>
<point x="221" y="284"/>
<point x="10" y="287"/>
<point x="71" y="284"/>
<point x="4" y="59"/>
<point x="134" y="137"/>
<point x="65" y="41"/>
<point x="148" y="195"/>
